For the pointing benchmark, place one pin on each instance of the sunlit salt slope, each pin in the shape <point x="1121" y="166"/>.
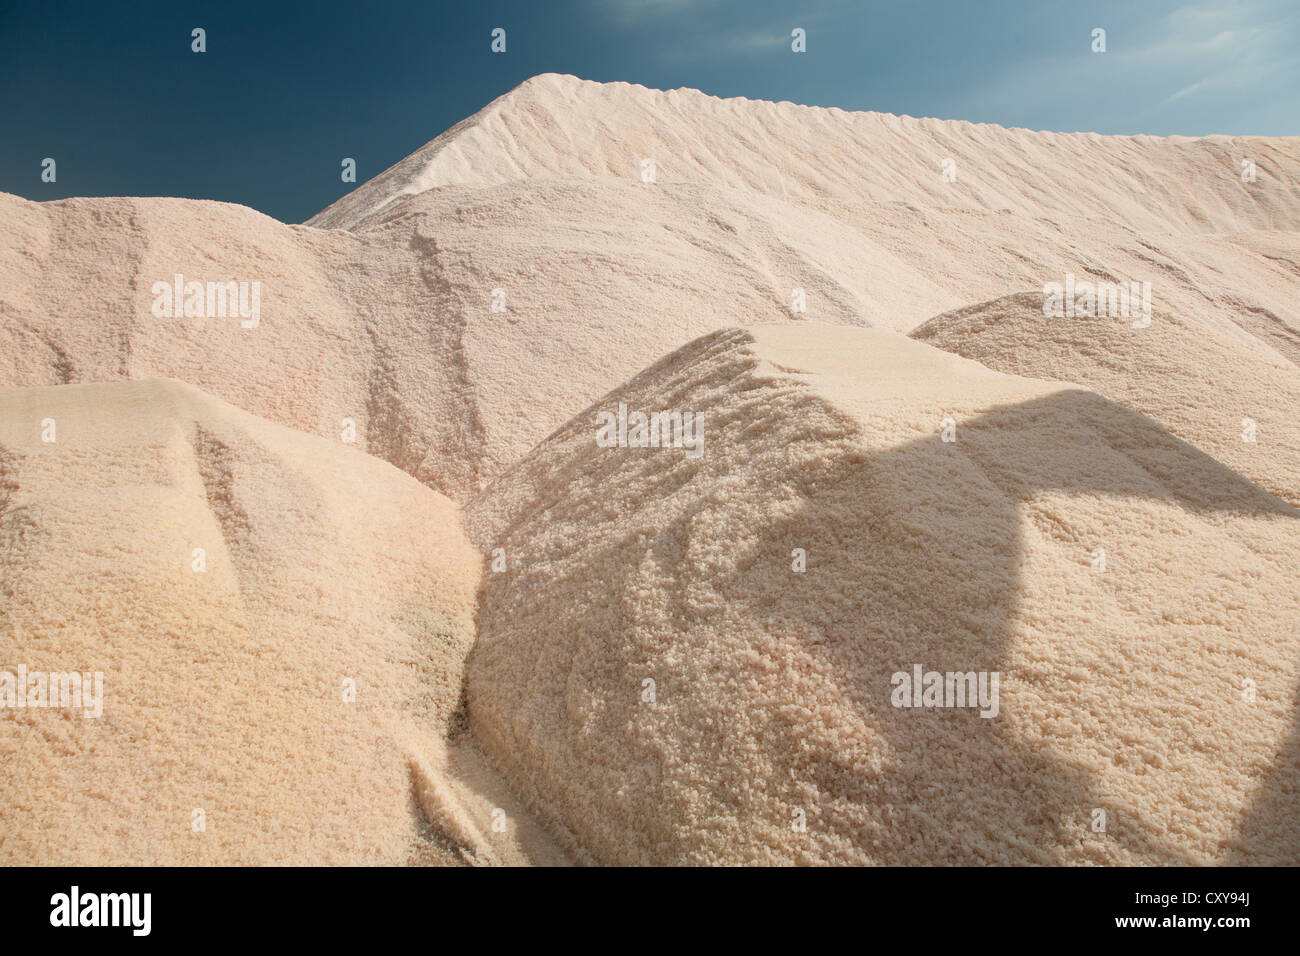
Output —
<point x="662" y="685"/>
<point x="280" y="624"/>
<point x="559" y="126"/>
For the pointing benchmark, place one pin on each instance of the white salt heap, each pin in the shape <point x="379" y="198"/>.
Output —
<point x="1120" y="689"/>
<point x="466" y="314"/>
<point x="540" y="196"/>
<point x="282" y="695"/>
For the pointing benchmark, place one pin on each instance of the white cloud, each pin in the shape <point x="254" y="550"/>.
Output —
<point x="1174" y="59"/>
<point x="629" y="12"/>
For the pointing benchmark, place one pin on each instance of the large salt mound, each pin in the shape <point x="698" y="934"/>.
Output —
<point x="393" y="328"/>
<point x="1122" y="690"/>
<point x="539" y="197"/>
<point x="224" y="691"/>
<point x="556" y="126"/>
<point x="1200" y="384"/>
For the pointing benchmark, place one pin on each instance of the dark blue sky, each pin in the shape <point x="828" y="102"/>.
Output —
<point x="113" y="93"/>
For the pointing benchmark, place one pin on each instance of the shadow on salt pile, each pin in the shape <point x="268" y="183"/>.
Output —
<point x="956" y="783"/>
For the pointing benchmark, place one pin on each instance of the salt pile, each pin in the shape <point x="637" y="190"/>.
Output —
<point x="770" y="732"/>
<point x="419" y="459"/>
<point x="280" y="624"/>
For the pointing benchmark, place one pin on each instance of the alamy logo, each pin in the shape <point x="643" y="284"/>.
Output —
<point x="103" y="909"/>
<point x="208" y="300"/>
<point x="60" y="690"/>
<point x="659" y="430"/>
<point x="1115" y="300"/>
<point x="951" y="689"/>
